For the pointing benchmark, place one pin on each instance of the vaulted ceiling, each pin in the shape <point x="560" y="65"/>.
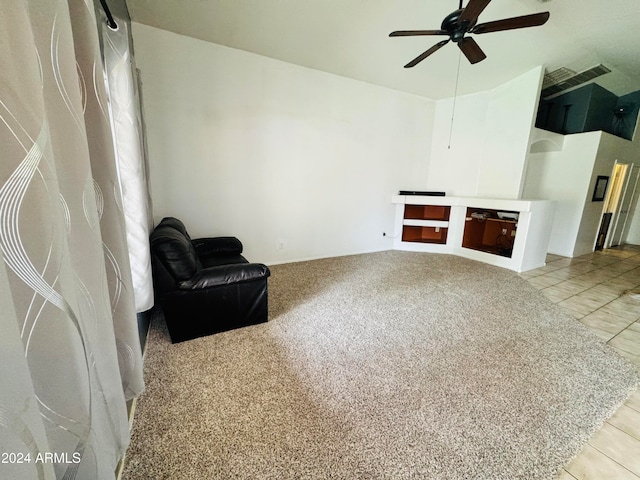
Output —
<point x="350" y="38"/>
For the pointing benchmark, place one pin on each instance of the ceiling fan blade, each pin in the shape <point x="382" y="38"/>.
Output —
<point x="411" y="33"/>
<point x="524" y="21"/>
<point x="471" y="50"/>
<point x="471" y="12"/>
<point x="424" y="55"/>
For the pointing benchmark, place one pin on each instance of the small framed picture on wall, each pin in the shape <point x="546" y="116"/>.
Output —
<point x="601" y="188"/>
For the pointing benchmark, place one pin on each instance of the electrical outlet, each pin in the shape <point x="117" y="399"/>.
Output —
<point x="504" y="231"/>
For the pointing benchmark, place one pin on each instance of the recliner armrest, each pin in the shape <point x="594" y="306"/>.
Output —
<point x="225" y="275"/>
<point x="206" y="247"/>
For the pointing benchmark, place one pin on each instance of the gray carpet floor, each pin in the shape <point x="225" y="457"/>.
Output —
<point x="390" y="365"/>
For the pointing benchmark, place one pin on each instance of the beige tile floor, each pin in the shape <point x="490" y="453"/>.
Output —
<point x="602" y="290"/>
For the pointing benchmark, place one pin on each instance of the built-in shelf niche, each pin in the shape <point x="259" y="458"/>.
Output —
<point x="426" y="223"/>
<point x="427" y="212"/>
<point x="412" y="233"/>
<point x="485" y="231"/>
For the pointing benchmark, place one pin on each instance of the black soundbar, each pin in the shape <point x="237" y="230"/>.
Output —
<point x="426" y="194"/>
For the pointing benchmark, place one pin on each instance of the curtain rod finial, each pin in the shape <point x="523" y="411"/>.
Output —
<point x="110" y="21"/>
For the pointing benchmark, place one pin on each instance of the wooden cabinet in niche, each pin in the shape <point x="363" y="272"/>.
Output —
<point x="426" y="223"/>
<point x="427" y="212"/>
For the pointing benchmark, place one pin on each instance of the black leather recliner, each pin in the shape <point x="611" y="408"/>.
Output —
<point x="205" y="285"/>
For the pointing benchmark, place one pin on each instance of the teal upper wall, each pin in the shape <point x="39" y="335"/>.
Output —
<point x="588" y="109"/>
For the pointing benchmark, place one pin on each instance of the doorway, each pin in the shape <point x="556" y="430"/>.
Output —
<point x="627" y="199"/>
<point x="618" y="203"/>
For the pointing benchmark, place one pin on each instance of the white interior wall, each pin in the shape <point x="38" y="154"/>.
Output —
<point x="592" y="212"/>
<point x="560" y="169"/>
<point x="483" y="152"/>
<point x="295" y="162"/>
<point x="454" y="162"/>
<point x="510" y="117"/>
<point x="565" y="169"/>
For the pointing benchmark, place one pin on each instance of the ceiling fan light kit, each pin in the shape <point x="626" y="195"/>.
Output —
<point x="463" y="21"/>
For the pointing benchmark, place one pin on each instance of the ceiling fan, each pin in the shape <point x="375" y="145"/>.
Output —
<point x="464" y="20"/>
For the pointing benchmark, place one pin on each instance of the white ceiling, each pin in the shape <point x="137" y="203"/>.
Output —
<point x="350" y="38"/>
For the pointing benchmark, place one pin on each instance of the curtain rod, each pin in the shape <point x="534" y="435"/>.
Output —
<point x="110" y="21"/>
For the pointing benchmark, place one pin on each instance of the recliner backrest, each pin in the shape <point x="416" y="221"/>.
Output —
<point x="174" y="223"/>
<point x="172" y="246"/>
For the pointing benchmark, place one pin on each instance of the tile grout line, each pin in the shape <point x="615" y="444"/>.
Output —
<point x="618" y="428"/>
<point x="624" y="329"/>
<point x="612" y="459"/>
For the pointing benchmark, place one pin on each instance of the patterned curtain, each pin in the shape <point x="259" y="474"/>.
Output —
<point x="70" y="353"/>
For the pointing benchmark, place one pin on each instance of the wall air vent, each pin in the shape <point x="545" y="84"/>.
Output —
<point x="563" y="79"/>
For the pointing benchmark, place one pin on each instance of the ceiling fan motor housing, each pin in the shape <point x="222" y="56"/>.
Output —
<point x="453" y="28"/>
